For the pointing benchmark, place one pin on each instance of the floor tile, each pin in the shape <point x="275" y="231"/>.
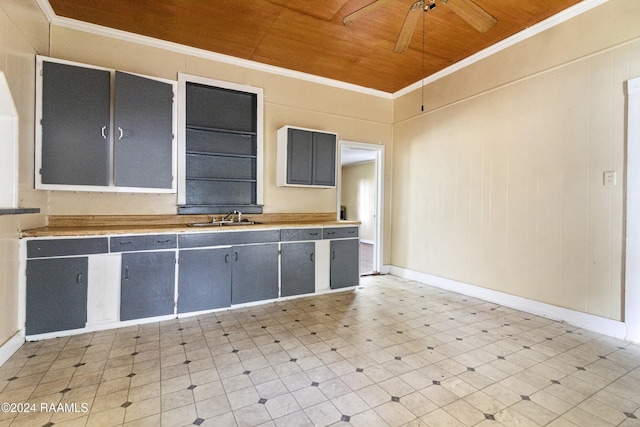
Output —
<point x="392" y="352"/>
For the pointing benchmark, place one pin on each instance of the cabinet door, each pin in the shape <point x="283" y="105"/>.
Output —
<point x="324" y="159"/>
<point x="147" y="284"/>
<point x="143" y="147"/>
<point x="56" y="294"/>
<point x="298" y="269"/>
<point x="204" y="279"/>
<point x="255" y="273"/>
<point x="299" y="157"/>
<point x="75" y="125"/>
<point x="344" y="263"/>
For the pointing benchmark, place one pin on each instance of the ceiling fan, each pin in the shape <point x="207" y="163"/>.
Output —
<point x="479" y="18"/>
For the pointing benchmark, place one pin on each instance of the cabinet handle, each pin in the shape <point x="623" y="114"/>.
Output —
<point x="126" y="273"/>
<point x="311" y="257"/>
<point x="124" y="243"/>
<point x="226" y="258"/>
<point x="120" y="132"/>
<point x="103" y="132"/>
<point x="236" y="252"/>
<point x="79" y="279"/>
<point x="333" y="254"/>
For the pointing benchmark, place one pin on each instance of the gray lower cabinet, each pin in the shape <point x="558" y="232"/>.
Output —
<point x="298" y="268"/>
<point x="204" y="279"/>
<point x="254" y="275"/>
<point x="344" y="263"/>
<point x="56" y="294"/>
<point x="147" y="284"/>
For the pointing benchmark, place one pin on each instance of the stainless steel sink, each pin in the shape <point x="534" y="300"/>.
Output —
<point x="221" y="223"/>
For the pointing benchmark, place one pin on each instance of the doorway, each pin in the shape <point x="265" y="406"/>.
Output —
<point x="360" y="197"/>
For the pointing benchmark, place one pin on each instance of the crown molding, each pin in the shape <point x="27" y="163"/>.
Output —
<point x="73" y="24"/>
<point x="550" y="22"/>
<point x="201" y="53"/>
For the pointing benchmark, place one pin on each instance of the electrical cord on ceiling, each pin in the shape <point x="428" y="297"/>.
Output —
<point x="422" y="74"/>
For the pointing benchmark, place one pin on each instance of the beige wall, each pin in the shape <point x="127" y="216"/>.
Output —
<point x="351" y="115"/>
<point x="497" y="184"/>
<point x="358" y="194"/>
<point x="500" y="182"/>
<point x="23" y="33"/>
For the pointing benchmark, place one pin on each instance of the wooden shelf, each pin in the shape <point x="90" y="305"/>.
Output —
<point x="230" y="131"/>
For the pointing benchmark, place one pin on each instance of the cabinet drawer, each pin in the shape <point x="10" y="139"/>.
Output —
<point x="65" y="247"/>
<point x="295" y="234"/>
<point x="143" y="242"/>
<point x="201" y="240"/>
<point x="339" y="232"/>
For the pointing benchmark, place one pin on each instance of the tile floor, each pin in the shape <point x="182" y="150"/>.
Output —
<point x="392" y="352"/>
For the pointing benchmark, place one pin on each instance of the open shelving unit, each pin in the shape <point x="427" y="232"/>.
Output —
<point x="221" y="150"/>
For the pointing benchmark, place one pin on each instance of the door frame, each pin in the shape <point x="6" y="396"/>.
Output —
<point x="632" y="215"/>
<point x="378" y="151"/>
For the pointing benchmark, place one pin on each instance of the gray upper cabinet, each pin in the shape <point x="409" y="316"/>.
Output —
<point x="143" y="149"/>
<point x="306" y="158"/>
<point x="75" y="125"/>
<point x="324" y="159"/>
<point x="80" y="146"/>
<point x="299" y="157"/>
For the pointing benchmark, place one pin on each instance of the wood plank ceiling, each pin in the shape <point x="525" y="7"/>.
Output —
<point x="309" y="36"/>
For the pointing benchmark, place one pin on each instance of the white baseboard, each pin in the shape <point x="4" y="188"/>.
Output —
<point x="591" y="322"/>
<point x="11" y="346"/>
<point x="386" y="269"/>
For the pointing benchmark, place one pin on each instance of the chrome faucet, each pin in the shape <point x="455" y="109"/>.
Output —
<point x="234" y="212"/>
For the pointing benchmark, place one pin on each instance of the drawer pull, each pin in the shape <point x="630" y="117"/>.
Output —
<point x="351" y="231"/>
<point x="313" y="234"/>
<point x="164" y="241"/>
<point x="331" y="233"/>
<point x="125" y="243"/>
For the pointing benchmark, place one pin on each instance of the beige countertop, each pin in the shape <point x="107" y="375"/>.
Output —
<point x="144" y="224"/>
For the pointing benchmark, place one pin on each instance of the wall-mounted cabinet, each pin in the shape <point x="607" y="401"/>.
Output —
<point x="306" y="158"/>
<point x="103" y="130"/>
<point x="221" y="149"/>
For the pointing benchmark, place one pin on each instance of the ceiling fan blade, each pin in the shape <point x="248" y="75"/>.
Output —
<point x="409" y="26"/>
<point x="365" y="10"/>
<point x="472" y="13"/>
